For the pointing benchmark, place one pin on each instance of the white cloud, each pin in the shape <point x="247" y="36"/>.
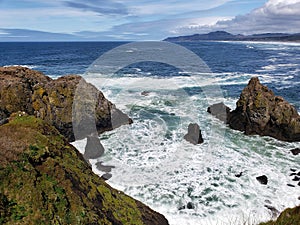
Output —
<point x="274" y="16"/>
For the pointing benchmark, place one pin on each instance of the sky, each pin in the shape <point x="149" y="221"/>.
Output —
<point x="129" y="20"/>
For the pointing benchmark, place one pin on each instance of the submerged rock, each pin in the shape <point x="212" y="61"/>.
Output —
<point x="194" y="135"/>
<point x="44" y="180"/>
<point x="23" y="89"/>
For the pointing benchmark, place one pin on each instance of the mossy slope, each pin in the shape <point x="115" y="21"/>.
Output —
<point x="287" y="217"/>
<point x="45" y="180"/>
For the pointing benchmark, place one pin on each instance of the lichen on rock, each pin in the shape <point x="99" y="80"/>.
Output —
<point x="23" y="89"/>
<point x="259" y="111"/>
<point x="45" y="180"/>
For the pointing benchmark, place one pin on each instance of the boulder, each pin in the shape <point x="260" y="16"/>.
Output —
<point x="194" y="135"/>
<point x="93" y="149"/>
<point x="262" y="179"/>
<point x="220" y="111"/>
<point x="23" y="89"/>
<point x="295" y="151"/>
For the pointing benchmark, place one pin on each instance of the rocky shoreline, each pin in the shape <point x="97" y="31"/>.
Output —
<point x="44" y="179"/>
<point x="259" y="111"/>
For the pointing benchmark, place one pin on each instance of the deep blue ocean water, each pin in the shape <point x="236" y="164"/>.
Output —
<point x="279" y="61"/>
<point x="152" y="161"/>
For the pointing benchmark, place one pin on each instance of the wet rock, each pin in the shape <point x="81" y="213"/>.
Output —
<point x="290" y="185"/>
<point x="194" y="135"/>
<point x="4" y="121"/>
<point x="239" y="174"/>
<point x="181" y="207"/>
<point x="104" y="168"/>
<point x="93" y="149"/>
<point x="293" y="170"/>
<point x="145" y="93"/>
<point x="295" y="151"/>
<point x="273" y="210"/>
<point x="296" y="178"/>
<point x="190" y="205"/>
<point x="220" y="111"/>
<point x="262" y="179"/>
<point x="259" y="111"/>
<point x="106" y="176"/>
<point x="293" y="174"/>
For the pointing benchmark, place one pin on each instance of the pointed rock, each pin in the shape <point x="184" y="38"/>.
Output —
<point x="259" y="111"/>
<point x="194" y="135"/>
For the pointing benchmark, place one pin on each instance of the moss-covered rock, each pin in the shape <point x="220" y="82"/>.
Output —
<point x="22" y="89"/>
<point x="287" y="217"/>
<point x="45" y="180"/>
<point x="259" y="111"/>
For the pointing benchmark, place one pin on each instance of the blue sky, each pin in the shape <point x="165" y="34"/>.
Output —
<point x="34" y="20"/>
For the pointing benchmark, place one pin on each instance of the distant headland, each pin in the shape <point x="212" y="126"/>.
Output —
<point x="225" y="36"/>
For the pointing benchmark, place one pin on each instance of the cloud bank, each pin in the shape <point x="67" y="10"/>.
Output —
<point x="274" y="16"/>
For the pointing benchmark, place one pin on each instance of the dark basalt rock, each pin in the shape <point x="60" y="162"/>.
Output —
<point x="296" y="178"/>
<point x="239" y="174"/>
<point x="220" y="111"/>
<point x="194" y="135"/>
<point x="262" y="179"/>
<point x="145" y="93"/>
<point x="190" y="205"/>
<point x="260" y="112"/>
<point x="273" y="210"/>
<point x="295" y="151"/>
<point x="291" y="185"/>
<point x="26" y="90"/>
<point x="93" y="149"/>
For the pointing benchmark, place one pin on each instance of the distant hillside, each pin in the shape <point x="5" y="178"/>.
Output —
<point x="225" y="36"/>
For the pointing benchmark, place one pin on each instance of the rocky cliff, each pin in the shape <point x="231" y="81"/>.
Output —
<point x="45" y="180"/>
<point x="22" y="89"/>
<point x="259" y="111"/>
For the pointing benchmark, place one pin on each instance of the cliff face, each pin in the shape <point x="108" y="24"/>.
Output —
<point x="259" y="111"/>
<point x="45" y="180"/>
<point x="22" y="89"/>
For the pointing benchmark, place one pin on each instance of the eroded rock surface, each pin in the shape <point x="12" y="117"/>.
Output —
<point x="23" y="89"/>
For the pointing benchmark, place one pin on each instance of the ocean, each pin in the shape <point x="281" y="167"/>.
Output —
<point x="153" y="163"/>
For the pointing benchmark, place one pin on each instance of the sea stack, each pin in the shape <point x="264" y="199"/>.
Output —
<point x="259" y="111"/>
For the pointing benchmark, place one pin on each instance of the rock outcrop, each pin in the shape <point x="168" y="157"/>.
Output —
<point x="45" y="180"/>
<point x="194" y="135"/>
<point x="220" y="111"/>
<point x="289" y="216"/>
<point x="259" y="111"/>
<point x="23" y="89"/>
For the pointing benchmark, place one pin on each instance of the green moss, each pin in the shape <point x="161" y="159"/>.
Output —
<point x="50" y="183"/>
